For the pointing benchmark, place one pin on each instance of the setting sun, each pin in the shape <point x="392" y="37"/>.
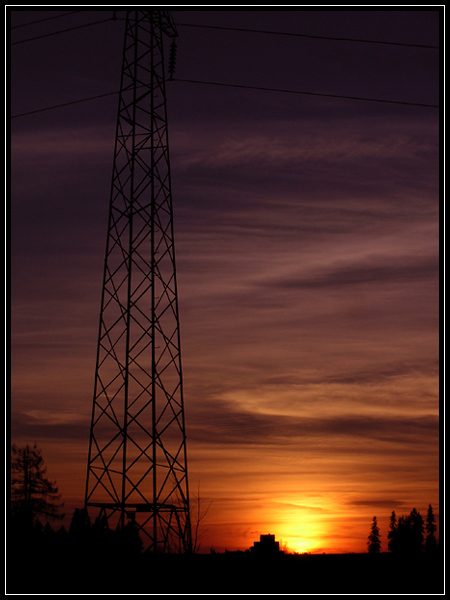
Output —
<point x="305" y="536"/>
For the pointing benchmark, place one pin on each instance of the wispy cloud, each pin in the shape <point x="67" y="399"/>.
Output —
<point x="375" y="270"/>
<point x="265" y="424"/>
<point x="61" y="144"/>
<point x="300" y="141"/>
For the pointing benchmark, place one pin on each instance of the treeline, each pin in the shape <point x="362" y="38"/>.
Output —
<point x="409" y="534"/>
<point x="35" y="499"/>
<point x="27" y="536"/>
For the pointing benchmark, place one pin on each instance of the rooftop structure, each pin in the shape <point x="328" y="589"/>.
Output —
<point x="266" y="545"/>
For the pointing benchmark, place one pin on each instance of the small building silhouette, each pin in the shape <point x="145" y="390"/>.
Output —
<point x="266" y="545"/>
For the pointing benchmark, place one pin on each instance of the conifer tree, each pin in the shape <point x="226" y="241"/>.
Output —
<point x="374" y="543"/>
<point x="406" y="534"/>
<point x="430" y="541"/>
<point x="32" y="494"/>
<point x="392" y="532"/>
<point x="417" y="529"/>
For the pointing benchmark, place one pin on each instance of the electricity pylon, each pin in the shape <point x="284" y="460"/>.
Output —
<point x="137" y="466"/>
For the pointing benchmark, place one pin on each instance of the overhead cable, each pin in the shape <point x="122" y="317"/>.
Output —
<point x="61" y="31"/>
<point x="239" y="29"/>
<point x="304" y="35"/>
<point x="47" y="19"/>
<point x="234" y="85"/>
<point x="32" y="112"/>
<point x="266" y="89"/>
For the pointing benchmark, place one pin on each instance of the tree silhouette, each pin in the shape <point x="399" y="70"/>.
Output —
<point x="391" y="533"/>
<point x="127" y="540"/>
<point x="374" y="542"/>
<point x="403" y="535"/>
<point x="197" y="517"/>
<point x="32" y="494"/>
<point x="417" y="529"/>
<point x="430" y="541"/>
<point x="406" y="534"/>
<point x="80" y="523"/>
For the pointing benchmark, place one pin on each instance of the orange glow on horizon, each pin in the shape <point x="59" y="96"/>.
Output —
<point x="317" y="526"/>
<point x="313" y="510"/>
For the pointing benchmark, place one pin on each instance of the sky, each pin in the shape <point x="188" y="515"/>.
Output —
<point x="307" y="248"/>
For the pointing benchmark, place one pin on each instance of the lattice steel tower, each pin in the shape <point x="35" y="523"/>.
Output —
<point x="137" y="467"/>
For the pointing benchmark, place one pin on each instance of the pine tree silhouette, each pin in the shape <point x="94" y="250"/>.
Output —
<point x="430" y="527"/>
<point x="374" y="543"/>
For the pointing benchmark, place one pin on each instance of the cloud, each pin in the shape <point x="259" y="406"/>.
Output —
<point x="388" y="503"/>
<point x="372" y="270"/>
<point x="375" y="373"/>
<point x="330" y="163"/>
<point x="47" y="425"/>
<point x="61" y="144"/>
<point x="230" y="424"/>
<point x="297" y="141"/>
<point x="52" y="418"/>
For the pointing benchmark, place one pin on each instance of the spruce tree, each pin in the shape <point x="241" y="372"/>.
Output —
<point x="392" y="532"/>
<point x="417" y="530"/>
<point x="374" y="543"/>
<point x="406" y="534"/>
<point x="430" y="527"/>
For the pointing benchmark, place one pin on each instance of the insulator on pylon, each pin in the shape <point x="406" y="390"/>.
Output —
<point x="172" y="58"/>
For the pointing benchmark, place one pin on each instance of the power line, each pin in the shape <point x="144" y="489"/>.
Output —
<point x="234" y="85"/>
<point x="47" y="19"/>
<point x="32" y="112"/>
<point x="266" y="89"/>
<point x="240" y="29"/>
<point x="304" y="35"/>
<point x="61" y="31"/>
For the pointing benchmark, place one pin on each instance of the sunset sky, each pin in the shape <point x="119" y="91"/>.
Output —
<point x="307" y="239"/>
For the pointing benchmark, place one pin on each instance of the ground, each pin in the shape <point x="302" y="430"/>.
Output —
<point x="229" y="573"/>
